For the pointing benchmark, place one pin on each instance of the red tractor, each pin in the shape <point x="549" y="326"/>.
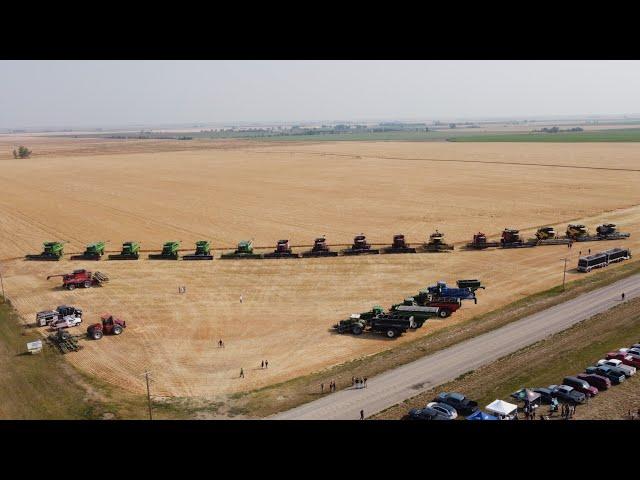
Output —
<point x="81" y="278"/>
<point x="109" y="326"/>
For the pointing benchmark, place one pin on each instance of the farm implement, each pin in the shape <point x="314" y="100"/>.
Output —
<point x="420" y="314"/>
<point x="436" y="243"/>
<point x="52" y="251"/>
<point x="244" y="250"/>
<point x="64" y="341"/>
<point x="93" y="251"/>
<point x="203" y="251"/>
<point x="399" y="246"/>
<point x="390" y="324"/>
<point x="283" y="250"/>
<point x="320" y="249"/>
<point x="81" y="278"/>
<point x="360" y="247"/>
<point x="169" y="252"/>
<point x="130" y="251"/>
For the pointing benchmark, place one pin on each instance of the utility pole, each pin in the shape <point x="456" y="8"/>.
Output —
<point x="146" y="374"/>
<point x="564" y="274"/>
<point x="2" y="284"/>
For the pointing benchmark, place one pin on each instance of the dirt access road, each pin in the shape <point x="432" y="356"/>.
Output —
<point x="409" y="380"/>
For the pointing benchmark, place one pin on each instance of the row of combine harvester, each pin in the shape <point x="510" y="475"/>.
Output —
<point x="511" y="238"/>
<point x="436" y="301"/>
<point x="53" y="251"/>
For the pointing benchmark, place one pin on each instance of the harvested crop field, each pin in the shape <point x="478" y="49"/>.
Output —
<point x="203" y="190"/>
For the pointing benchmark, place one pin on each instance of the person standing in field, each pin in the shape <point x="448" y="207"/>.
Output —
<point x="240" y="298"/>
<point x="241" y="373"/>
<point x="266" y="364"/>
<point x="361" y="414"/>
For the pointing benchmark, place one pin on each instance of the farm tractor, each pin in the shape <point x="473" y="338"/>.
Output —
<point x="93" y="251"/>
<point x="130" y="251"/>
<point x="399" y="246"/>
<point x="52" y="251"/>
<point x="244" y="250"/>
<point x="320" y="249"/>
<point x="109" y="326"/>
<point x="466" y="290"/>
<point x="360" y="247"/>
<point x="436" y="243"/>
<point x="170" y="251"/>
<point x="283" y="250"/>
<point x="203" y="251"/>
<point x="81" y="278"/>
<point x="390" y="324"/>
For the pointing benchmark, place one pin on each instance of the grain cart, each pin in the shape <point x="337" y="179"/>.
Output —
<point x="130" y="251"/>
<point x="608" y="231"/>
<point x="399" y="246"/>
<point x="283" y="250"/>
<point x="436" y="243"/>
<point x="203" y="251"/>
<point x="81" y="278"/>
<point x="357" y="322"/>
<point x="447" y="305"/>
<point x="387" y="323"/>
<point x="360" y="247"/>
<point x="320" y="249"/>
<point x="170" y="251"/>
<point x="244" y="250"/>
<point x="93" y="251"/>
<point x="52" y="251"/>
<point x="420" y="314"/>
<point x="441" y="290"/>
<point x="480" y="242"/>
<point x="109" y="326"/>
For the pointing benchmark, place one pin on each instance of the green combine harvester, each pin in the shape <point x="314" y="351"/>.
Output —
<point x="52" y="252"/>
<point x="169" y="252"/>
<point x="130" y="251"/>
<point x="203" y="251"/>
<point x="244" y="250"/>
<point x="93" y="251"/>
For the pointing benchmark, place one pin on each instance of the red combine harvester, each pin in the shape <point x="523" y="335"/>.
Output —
<point x="283" y="250"/>
<point x="109" y="326"/>
<point x="399" y="246"/>
<point x="480" y="242"/>
<point x="320" y="249"/>
<point x="360" y="247"/>
<point x="81" y="278"/>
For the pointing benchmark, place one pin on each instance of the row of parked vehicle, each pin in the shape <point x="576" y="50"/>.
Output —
<point x="614" y="369"/>
<point x="445" y="406"/>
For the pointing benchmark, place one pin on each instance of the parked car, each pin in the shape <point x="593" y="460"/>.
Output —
<point x="628" y="371"/>
<point x="626" y="359"/>
<point x="66" y="322"/>
<point x="616" y="377"/>
<point x="424" y="414"/>
<point x="631" y="351"/>
<point x="598" y="381"/>
<point x="568" y="394"/>
<point x="580" y="385"/>
<point x="545" y="394"/>
<point x="458" y="401"/>
<point x="442" y="409"/>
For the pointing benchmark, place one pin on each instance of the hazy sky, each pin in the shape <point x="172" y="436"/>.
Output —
<point x="114" y="93"/>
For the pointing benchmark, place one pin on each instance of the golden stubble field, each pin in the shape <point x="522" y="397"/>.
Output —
<point x="298" y="191"/>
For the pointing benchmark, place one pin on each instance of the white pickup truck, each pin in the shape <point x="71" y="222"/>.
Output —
<point x="627" y="369"/>
<point x="66" y="322"/>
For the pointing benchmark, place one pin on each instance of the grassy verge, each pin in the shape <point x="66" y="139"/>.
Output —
<point x="279" y="397"/>
<point x="547" y="362"/>
<point x="613" y="135"/>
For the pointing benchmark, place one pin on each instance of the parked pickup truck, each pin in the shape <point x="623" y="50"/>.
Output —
<point x="47" y="317"/>
<point x="628" y="371"/>
<point x="626" y="359"/>
<point x="567" y="394"/>
<point x="616" y="376"/>
<point x="458" y="401"/>
<point x="598" y="381"/>
<point x="581" y="386"/>
<point x="66" y="322"/>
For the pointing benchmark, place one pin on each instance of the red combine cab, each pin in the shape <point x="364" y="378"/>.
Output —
<point x="109" y="326"/>
<point x="320" y="249"/>
<point x="81" y="278"/>
<point x="480" y="242"/>
<point x="283" y="250"/>
<point x="399" y="246"/>
<point x="511" y="239"/>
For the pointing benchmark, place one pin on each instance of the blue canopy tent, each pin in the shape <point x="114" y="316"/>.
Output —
<point x="480" y="415"/>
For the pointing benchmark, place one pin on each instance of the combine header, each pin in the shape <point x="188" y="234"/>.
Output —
<point x="360" y="247"/>
<point x="437" y="244"/>
<point x="93" y="251"/>
<point x="399" y="246"/>
<point x="52" y="251"/>
<point x="169" y="252"/>
<point x="203" y="251"/>
<point x="81" y="278"/>
<point x="283" y="250"/>
<point x="320" y="249"/>
<point x="244" y="250"/>
<point x="130" y="251"/>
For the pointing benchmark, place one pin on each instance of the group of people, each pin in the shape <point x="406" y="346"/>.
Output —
<point x="264" y="364"/>
<point x="359" y="382"/>
<point x="332" y="386"/>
